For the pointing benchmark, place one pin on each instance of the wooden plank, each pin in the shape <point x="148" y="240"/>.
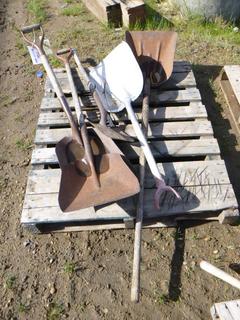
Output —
<point x="182" y="96"/>
<point x="133" y="11"/>
<point x="183" y="79"/>
<point x="192" y="173"/>
<point x="196" y="199"/>
<point x="164" y="113"/>
<point x="193" y="111"/>
<point x="233" y="74"/>
<point x="226" y="310"/>
<point x="61" y="227"/>
<point x="232" y="94"/>
<point x="156" y="130"/>
<point x="52" y="104"/>
<point x="160" y="149"/>
<point x="108" y="11"/>
<point x="180" y="80"/>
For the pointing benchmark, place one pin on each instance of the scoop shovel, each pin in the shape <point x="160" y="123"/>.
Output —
<point x="113" y="133"/>
<point x="87" y="179"/>
<point x="120" y="80"/>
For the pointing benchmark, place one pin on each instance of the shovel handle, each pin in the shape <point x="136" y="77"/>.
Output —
<point x="92" y="89"/>
<point x="135" y="288"/>
<point x="64" y="54"/>
<point x="206" y="266"/>
<point x="33" y="27"/>
<point x="91" y="86"/>
<point x="83" y="128"/>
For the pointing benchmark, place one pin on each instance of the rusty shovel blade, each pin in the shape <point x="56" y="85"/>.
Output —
<point x="78" y="189"/>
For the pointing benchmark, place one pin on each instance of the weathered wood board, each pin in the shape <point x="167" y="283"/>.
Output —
<point x="133" y="11"/>
<point x="108" y="11"/>
<point x="230" y="84"/>
<point x="228" y="310"/>
<point x="181" y="139"/>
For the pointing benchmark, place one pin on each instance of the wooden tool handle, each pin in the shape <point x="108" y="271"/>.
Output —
<point x="139" y="217"/>
<point x="206" y="266"/>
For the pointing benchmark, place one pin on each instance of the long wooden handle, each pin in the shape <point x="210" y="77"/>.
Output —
<point x="60" y="94"/>
<point x="206" y="266"/>
<point x="135" y="289"/>
<point x="83" y="128"/>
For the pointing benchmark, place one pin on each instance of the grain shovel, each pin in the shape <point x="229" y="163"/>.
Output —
<point x="120" y="80"/>
<point x="88" y="178"/>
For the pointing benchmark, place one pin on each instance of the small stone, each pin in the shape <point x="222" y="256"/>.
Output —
<point x="105" y="310"/>
<point x="215" y="251"/>
<point x="207" y="238"/>
<point x="52" y="290"/>
<point x="27" y="243"/>
<point x="235" y="29"/>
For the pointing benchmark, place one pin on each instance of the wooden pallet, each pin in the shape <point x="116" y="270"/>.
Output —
<point x="228" y="310"/>
<point x="230" y="84"/>
<point x="181" y="139"/>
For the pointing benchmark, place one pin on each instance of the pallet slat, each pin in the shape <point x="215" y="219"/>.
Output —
<point x="163" y="114"/>
<point x="195" y="173"/>
<point x="44" y="207"/>
<point x="158" y="130"/>
<point x="160" y="149"/>
<point x="229" y="82"/>
<point x="182" y="77"/>
<point x="228" y="310"/>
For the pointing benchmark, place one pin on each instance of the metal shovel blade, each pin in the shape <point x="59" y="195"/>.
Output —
<point x="78" y="189"/>
<point x="119" y="77"/>
<point x="154" y="51"/>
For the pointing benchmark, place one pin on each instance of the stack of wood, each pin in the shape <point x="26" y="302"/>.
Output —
<point x="118" y="12"/>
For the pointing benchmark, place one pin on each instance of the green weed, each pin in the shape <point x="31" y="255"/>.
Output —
<point x="69" y="267"/>
<point x="160" y="298"/>
<point x="23" y="308"/>
<point x="10" y="282"/>
<point x="37" y="9"/>
<point x="55" y="311"/>
<point x="55" y="62"/>
<point x="23" y="144"/>
<point x="73" y="10"/>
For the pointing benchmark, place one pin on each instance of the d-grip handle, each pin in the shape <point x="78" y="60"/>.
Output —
<point x="65" y="54"/>
<point x="63" y="51"/>
<point x="31" y="28"/>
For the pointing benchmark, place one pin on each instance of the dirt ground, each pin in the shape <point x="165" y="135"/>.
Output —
<point x="87" y="275"/>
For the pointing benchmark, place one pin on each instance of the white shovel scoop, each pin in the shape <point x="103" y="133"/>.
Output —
<point x="119" y="79"/>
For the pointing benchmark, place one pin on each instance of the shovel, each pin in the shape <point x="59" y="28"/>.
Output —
<point x="120" y="80"/>
<point x="154" y="51"/>
<point x="110" y="132"/>
<point x="82" y="184"/>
